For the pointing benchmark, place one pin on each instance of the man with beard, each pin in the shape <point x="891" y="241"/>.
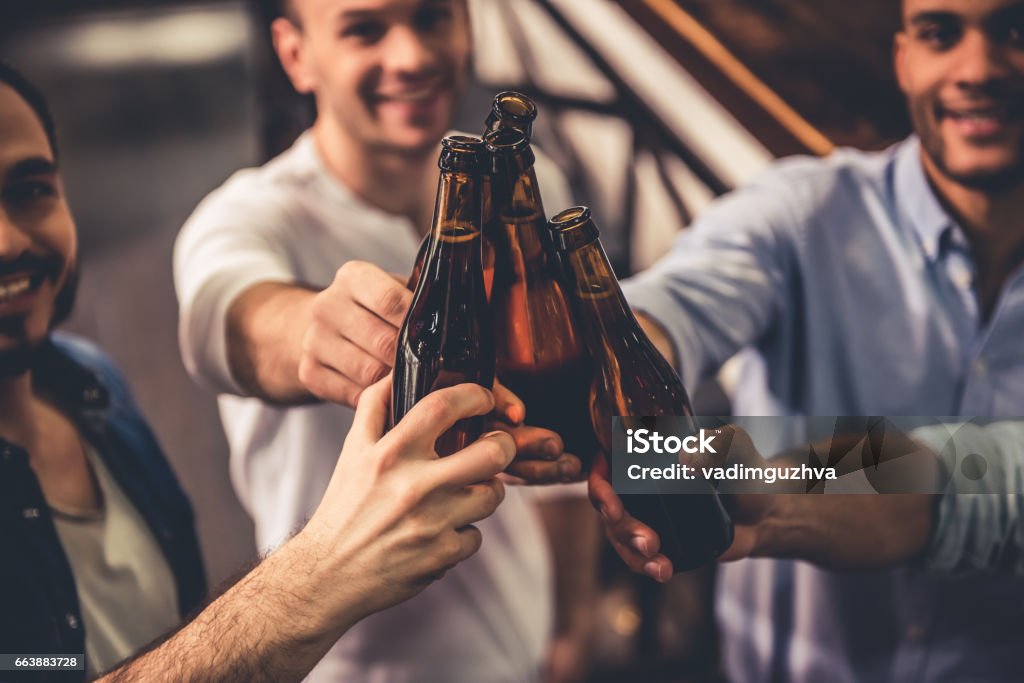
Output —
<point x="100" y="554"/>
<point x="871" y="284"/>
<point x="283" y="276"/>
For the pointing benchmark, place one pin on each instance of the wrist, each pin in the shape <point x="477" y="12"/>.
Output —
<point x="325" y="600"/>
<point x="785" y="528"/>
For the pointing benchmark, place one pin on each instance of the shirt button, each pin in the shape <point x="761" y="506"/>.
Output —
<point x="71" y="620"/>
<point x="980" y="367"/>
<point x="30" y="513"/>
<point x="964" y="279"/>
<point x="915" y="632"/>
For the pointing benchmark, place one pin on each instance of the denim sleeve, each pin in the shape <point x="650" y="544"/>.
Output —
<point x="979" y="526"/>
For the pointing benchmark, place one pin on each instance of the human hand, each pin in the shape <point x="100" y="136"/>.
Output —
<point x="540" y="456"/>
<point x="636" y="543"/>
<point x="395" y="516"/>
<point x="351" y="341"/>
<point x="639" y="546"/>
<point x="855" y="531"/>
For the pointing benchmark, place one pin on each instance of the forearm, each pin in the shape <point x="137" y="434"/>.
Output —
<point x="574" y="534"/>
<point x="854" y="531"/>
<point x="846" y="531"/>
<point x="265" y="327"/>
<point x="271" y="626"/>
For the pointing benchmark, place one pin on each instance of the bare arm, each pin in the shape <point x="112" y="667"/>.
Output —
<point x="288" y="344"/>
<point x="265" y="328"/>
<point x="263" y="629"/>
<point x="858" y="531"/>
<point x="394" y="518"/>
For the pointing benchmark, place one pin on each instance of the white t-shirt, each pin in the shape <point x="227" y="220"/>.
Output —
<point x="125" y="587"/>
<point x="489" y="619"/>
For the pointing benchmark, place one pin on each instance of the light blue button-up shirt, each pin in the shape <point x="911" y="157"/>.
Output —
<point x="857" y="290"/>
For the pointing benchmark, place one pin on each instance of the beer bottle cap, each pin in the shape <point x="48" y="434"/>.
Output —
<point x="574" y="228"/>
<point x="510" y="151"/>
<point x="512" y="109"/>
<point x="463" y="154"/>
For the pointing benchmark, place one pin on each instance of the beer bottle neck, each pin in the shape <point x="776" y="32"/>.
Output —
<point x="455" y="256"/>
<point x="637" y="379"/>
<point x="514" y="179"/>
<point x="607" y="318"/>
<point x="459" y="207"/>
<point x="517" y="222"/>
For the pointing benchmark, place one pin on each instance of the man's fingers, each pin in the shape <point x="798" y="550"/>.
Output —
<point x="378" y="292"/>
<point x="371" y="416"/>
<point x="534" y="443"/>
<point x="327" y="384"/>
<point x="479" y="461"/>
<point x="743" y="544"/>
<point x="347" y="358"/>
<point x="603" y="496"/>
<point x="637" y="535"/>
<point x="508" y="480"/>
<point x="507" y="405"/>
<point x="470" y="540"/>
<point x="437" y="412"/>
<point x="475" y="502"/>
<point x="566" y="469"/>
<point x="658" y="568"/>
<point x="368" y="332"/>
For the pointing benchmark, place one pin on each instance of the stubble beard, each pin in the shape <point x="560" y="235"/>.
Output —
<point x="22" y="357"/>
<point x="996" y="182"/>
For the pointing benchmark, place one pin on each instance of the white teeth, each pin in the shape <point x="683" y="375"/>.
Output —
<point x="980" y="115"/>
<point x="417" y="96"/>
<point x="13" y="288"/>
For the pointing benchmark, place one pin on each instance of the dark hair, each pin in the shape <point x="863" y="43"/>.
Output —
<point x="31" y="94"/>
<point x="272" y="9"/>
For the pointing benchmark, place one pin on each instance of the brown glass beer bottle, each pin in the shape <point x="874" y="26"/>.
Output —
<point x="631" y="378"/>
<point x="508" y="109"/>
<point x="447" y="337"/>
<point x="539" y="354"/>
<point x="511" y="109"/>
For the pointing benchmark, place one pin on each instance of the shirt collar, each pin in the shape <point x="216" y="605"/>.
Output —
<point x="73" y="386"/>
<point x="918" y="205"/>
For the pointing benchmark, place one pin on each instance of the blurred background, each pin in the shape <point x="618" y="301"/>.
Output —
<point x="652" y="107"/>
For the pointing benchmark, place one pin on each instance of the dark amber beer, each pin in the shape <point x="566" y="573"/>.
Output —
<point x="539" y="354"/>
<point x="632" y="379"/>
<point x="447" y="337"/>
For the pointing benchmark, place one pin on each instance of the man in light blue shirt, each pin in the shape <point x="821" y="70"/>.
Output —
<point x="873" y="284"/>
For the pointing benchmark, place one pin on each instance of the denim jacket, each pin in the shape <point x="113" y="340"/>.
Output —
<point x="39" y="609"/>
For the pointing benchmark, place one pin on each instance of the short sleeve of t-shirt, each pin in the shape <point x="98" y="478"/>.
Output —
<point x="230" y="243"/>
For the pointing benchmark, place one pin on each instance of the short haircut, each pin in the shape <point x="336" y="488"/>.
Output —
<point x="32" y="95"/>
<point x="272" y="9"/>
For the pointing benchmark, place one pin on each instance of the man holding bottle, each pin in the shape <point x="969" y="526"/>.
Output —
<point x="101" y="557"/>
<point x="271" y="322"/>
<point x="870" y="284"/>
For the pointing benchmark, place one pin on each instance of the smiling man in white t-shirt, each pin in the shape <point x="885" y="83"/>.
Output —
<point x="288" y="311"/>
